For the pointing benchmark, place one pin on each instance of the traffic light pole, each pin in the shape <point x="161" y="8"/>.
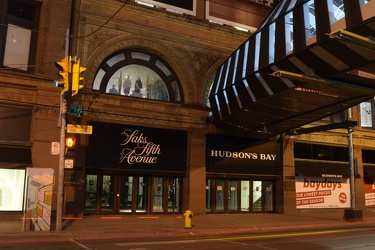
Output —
<point x="63" y="104"/>
<point x="60" y="187"/>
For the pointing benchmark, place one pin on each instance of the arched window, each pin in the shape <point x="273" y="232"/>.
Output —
<point x="138" y="74"/>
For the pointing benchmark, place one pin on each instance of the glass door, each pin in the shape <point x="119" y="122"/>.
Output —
<point x="245" y="196"/>
<point x="142" y="195"/>
<point x="158" y="194"/>
<point x="126" y="194"/>
<point x="173" y="195"/>
<point x="232" y="196"/>
<point x="115" y="194"/>
<point x="268" y="196"/>
<point x="133" y="194"/>
<point x="219" y="199"/>
<point x="91" y="193"/>
<point x="208" y="195"/>
<point x="257" y="196"/>
<point x="108" y="193"/>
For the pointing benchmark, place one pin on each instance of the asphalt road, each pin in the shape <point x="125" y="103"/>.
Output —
<point x="340" y="239"/>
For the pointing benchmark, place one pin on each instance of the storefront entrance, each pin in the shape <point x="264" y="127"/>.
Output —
<point x="121" y="194"/>
<point x="234" y="196"/>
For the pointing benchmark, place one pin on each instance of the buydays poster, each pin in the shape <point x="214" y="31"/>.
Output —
<point x="318" y="192"/>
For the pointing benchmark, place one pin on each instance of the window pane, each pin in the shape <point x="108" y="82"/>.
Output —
<point x="366" y="114"/>
<point x="98" y="79"/>
<point x="116" y="59"/>
<point x="21" y="10"/>
<point x="149" y="78"/>
<point x="17" y="47"/>
<point x="138" y="81"/>
<point x="363" y="2"/>
<point x="257" y="51"/>
<point x="15" y="124"/>
<point x="161" y="66"/>
<point x="12" y="188"/>
<point x="271" y="50"/>
<point x="142" y="56"/>
<point x="336" y="10"/>
<point x="310" y="23"/>
<point x="289" y="32"/>
<point x="176" y="91"/>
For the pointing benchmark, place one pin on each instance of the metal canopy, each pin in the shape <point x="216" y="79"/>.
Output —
<point x="282" y="97"/>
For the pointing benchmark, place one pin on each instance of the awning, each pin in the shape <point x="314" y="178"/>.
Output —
<point x="320" y="80"/>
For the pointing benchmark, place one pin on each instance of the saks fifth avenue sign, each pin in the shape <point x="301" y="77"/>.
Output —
<point x="137" y="149"/>
<point x="133" y="148"/>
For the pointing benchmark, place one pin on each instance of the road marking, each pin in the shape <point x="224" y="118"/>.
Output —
<point x="270" y="248"/>
<point x="80" y="244"/>
<point x="236" y="238"/>
<point x="156" y="243"/>
<point x="354" y="246"/>
<point x="235" y="242"/>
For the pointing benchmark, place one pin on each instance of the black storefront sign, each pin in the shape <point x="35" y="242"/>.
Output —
<point x="228" y="155"/>
<point x="137" y="149"/>
<point x="322" y="169"/>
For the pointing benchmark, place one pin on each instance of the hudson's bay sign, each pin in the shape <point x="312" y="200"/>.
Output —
<point x="243" y="155"/>
<point x="233" y="155"/>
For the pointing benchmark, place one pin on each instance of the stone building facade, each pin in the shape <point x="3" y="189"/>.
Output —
<point x="185" y="50"/>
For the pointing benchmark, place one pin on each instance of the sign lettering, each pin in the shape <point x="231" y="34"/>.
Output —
<point x="137" y="149"/>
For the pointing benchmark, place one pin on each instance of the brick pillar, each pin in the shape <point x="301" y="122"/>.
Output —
<point x="286" y="189"/>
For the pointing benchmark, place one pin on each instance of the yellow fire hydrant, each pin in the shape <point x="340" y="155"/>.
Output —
<point x="188" y="215"/>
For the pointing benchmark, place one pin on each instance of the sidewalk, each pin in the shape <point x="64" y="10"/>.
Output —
<point x="152" y="226"/>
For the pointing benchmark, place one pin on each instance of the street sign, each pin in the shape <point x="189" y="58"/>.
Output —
<point x="76" y="110"/>
<point x="55" y="148"/>
<point x="79" y="129"/>
<point x="69" y="163"/>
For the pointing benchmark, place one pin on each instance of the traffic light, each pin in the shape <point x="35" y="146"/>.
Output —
<point x="64" y="74"/>
<point x="76" y="77"/>
<point x="70" y="146"/>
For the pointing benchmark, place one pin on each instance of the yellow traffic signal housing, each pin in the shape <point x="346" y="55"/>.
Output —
<point x="76" y="77"/>
<point x="64" y="74"/>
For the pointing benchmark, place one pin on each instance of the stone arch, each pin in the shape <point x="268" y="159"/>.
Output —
<point x="210" y="77"/>
<point x="168" y="53"/>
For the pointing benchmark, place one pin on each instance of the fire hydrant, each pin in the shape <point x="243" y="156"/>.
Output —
<point x="188" y="215"/>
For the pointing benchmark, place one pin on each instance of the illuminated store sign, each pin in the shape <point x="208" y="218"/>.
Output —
<point x="138" y="149"/>
<point x="233" y="155"/>
<point x="133" y="148"/>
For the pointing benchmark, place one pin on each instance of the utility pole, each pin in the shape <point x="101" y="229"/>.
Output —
<point x="63" y="116"/>
<point x="60" y="186"/>
<point x="351" y="167"/>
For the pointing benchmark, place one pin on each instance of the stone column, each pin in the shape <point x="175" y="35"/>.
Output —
<point x="195" y="181"/>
